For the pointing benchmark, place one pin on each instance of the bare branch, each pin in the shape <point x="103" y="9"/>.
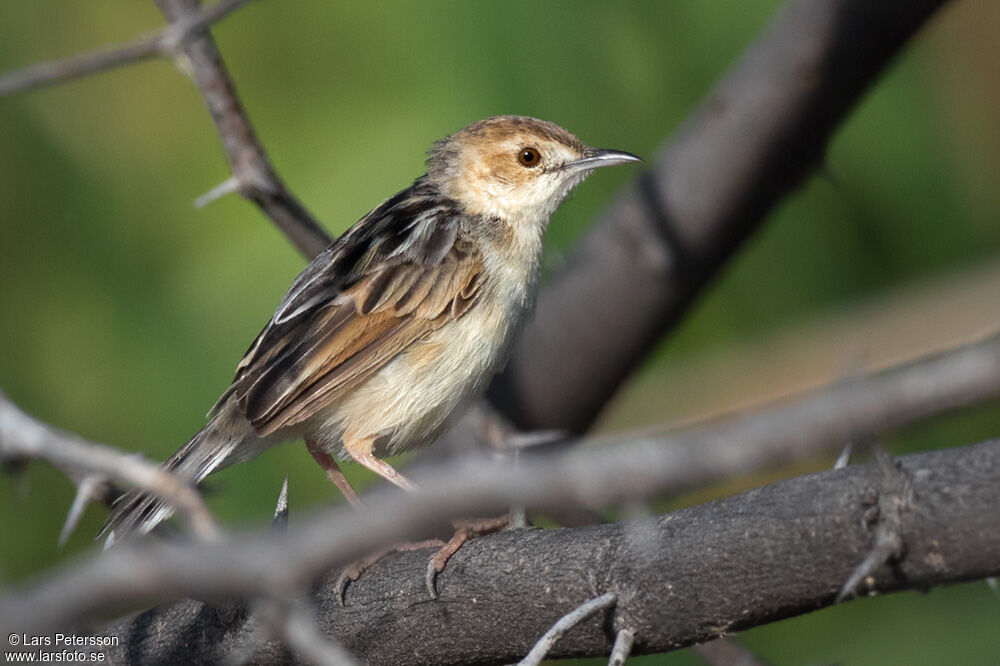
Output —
<point x="188" y="37"/>
<point x="565" y="623"/>
<point x="774" y="552"/>
<point x="622" y="648"/>
<point x="164" y="43"/>
<point x="885" y="514"/>
<point x="757" y="135"/>
<point x="855" y="409"/>
<point x="23" y="437"/>
<point x="588" y="476"/>
<point x="250" y="165"/>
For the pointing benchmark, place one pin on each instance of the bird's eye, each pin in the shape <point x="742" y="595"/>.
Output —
<point x="529" y="157"/>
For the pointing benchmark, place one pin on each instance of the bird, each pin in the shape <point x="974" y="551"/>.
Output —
<point x="400" y="322"/>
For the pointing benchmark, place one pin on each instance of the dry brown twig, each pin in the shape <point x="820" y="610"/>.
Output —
<point x="188" y="40"/>
<point x="253" y="175"/>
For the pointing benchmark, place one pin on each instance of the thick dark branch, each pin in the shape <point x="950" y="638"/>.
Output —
<point x="758" y="135"/>
<point x="253" y="175"/>
<point x="772" y="553"/>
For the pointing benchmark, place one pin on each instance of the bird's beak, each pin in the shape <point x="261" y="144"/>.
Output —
<point x="600" y="157"/>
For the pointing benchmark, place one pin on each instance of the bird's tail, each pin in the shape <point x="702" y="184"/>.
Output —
<point x="223" y="441"/>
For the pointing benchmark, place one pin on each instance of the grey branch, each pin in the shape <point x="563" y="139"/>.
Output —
<point x="22" y="437"/>
<point x="855" y="409"/>
<point x="162" y="44"/>
<point x="622" y="648"/>
<point x="774" y="552"/>
<point x="251" y="168"/>
<point x="583" y="476"/>
<point x="757" y="136"/>
<point x="555" y="633"/>
<point x="886" y="514"/>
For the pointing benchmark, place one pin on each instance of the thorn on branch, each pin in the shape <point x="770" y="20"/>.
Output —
<point x="281" y="509"/>
<point x="251" y="168"/>
<point x="565" y="623"/>
<point x="87" y="490"/>
<point x="844" y="459"/>
<point x="892" y="499"/>
<point x="229" y="186"/>
<point x="622" y="647"/>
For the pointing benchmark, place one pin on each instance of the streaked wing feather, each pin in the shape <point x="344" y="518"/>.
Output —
<point x="365" y="327"/>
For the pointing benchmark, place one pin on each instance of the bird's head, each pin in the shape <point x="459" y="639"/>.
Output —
<point x="514" y="168"/>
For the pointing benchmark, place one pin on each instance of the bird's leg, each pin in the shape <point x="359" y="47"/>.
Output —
<point x="333" y="473"/>
<point x="360" y="448"/>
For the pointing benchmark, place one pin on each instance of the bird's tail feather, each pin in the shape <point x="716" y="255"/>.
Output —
<point x="215" y="446"/>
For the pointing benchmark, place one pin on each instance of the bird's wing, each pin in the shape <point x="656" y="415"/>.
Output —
<point x="356" y="307"/>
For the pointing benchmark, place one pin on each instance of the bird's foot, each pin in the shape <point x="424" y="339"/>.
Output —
<point x="353" y="571"/>
<point x="464" y="531"/>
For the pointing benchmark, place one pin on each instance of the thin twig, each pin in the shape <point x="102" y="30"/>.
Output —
<point x="624" y="640"/>
<point x="565" y="623"/>
<point x="162" y="44"/>
<point x="21" y="436"/>
<point x="251" y="168"/>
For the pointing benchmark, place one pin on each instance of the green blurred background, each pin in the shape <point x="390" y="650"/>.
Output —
<point x="123" y="310"/>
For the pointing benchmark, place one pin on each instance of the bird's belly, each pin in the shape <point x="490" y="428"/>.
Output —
<point x="408" y="402"/>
